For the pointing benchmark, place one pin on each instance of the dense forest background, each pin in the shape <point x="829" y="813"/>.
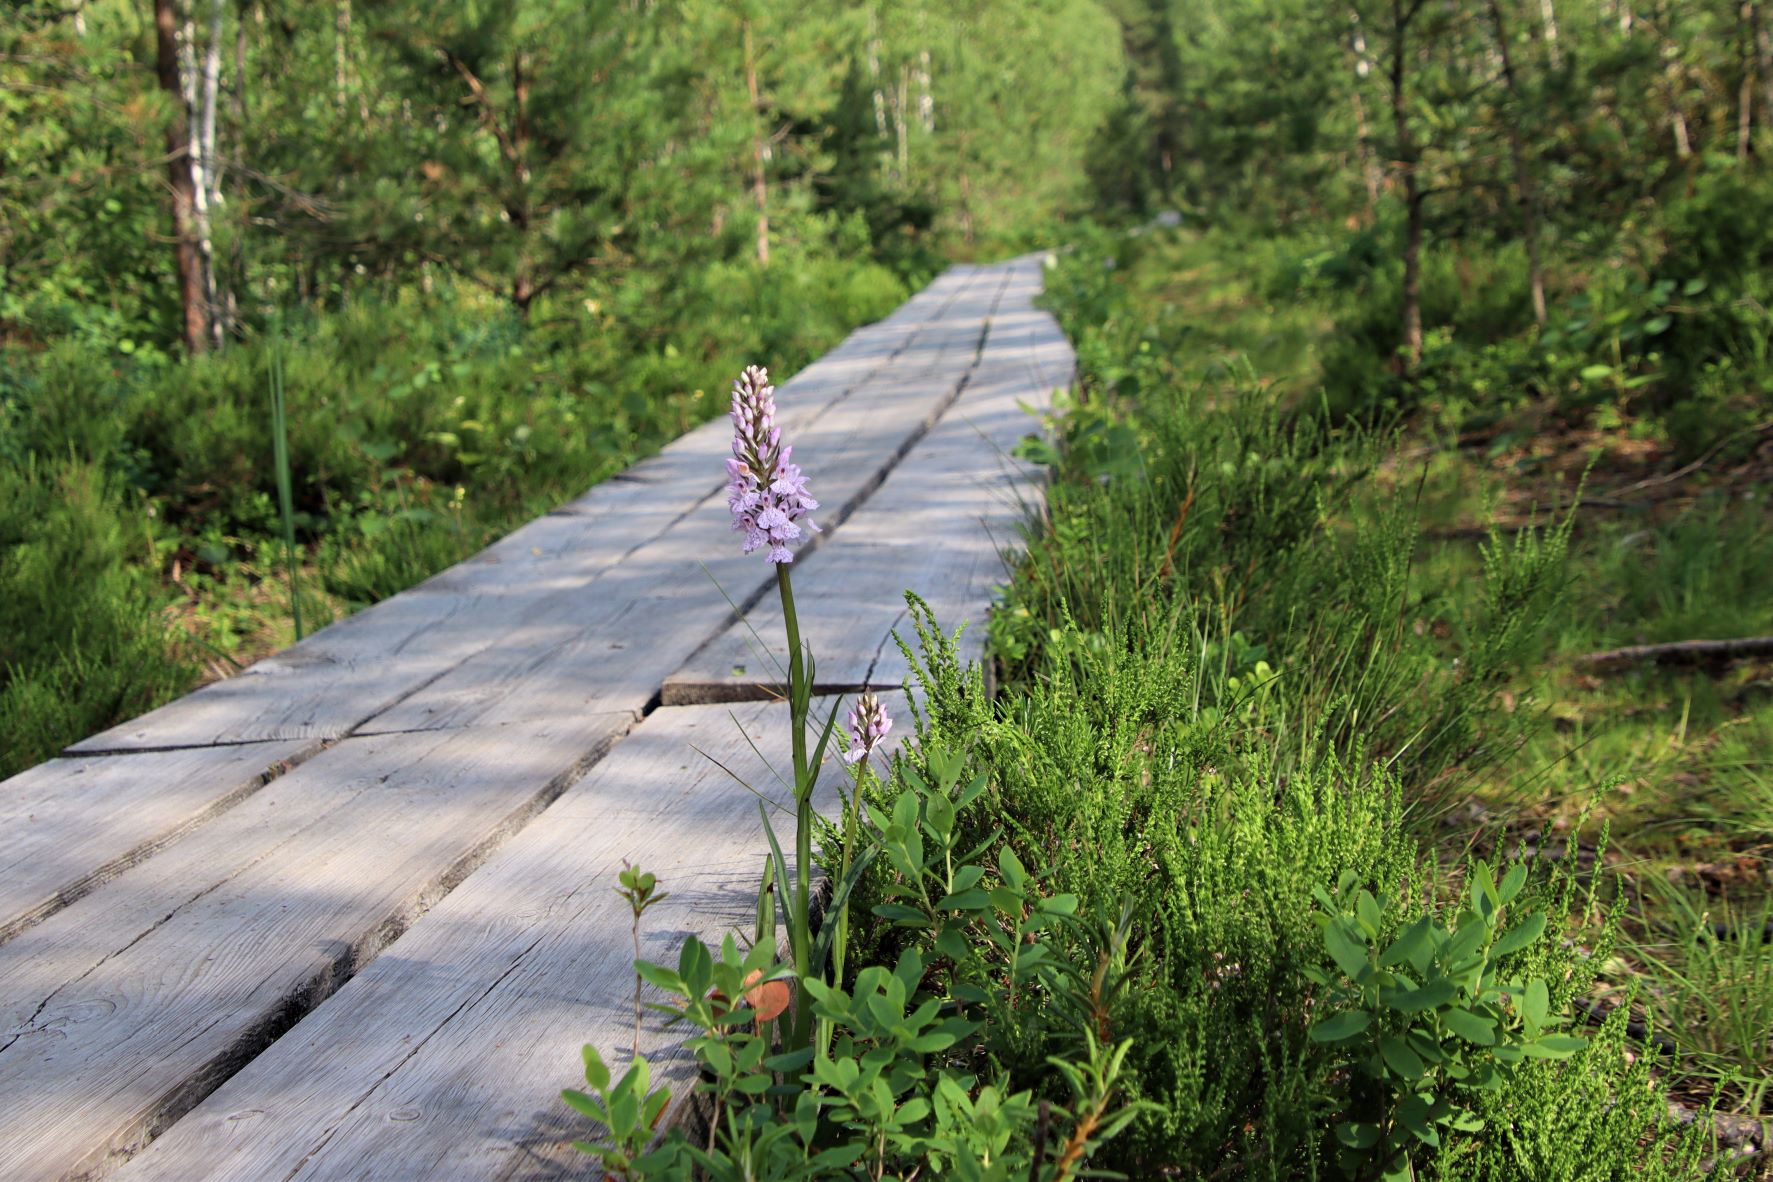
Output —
<point x="489" y="253"/>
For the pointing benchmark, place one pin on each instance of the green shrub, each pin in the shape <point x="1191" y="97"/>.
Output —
<point x="82" y="639"/>
<point x="1231" y="680"/>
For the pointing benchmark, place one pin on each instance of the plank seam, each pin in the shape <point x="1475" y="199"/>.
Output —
<point x="681" y="695"/>
<point x="304" y="996"/>
<point x="81" y="887"/>
<point x="517" y="962"/>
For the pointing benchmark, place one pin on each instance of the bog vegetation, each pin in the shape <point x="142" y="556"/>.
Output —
<point x="1317" y="828"/>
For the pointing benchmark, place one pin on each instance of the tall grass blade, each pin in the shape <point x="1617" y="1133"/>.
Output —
<point x="280" y="460"/>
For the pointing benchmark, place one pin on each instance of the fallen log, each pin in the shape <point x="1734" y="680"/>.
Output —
<point x="1682" y="652"/>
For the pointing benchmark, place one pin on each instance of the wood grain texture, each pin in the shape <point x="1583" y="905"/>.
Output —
<point x="445" y="1058"/>
<point x="937" y="526"/>
<point x="126" y="1007"/>
<point x="333" y="681"/>
<point x="609" y="647"/>
<point x="70" y="824"/>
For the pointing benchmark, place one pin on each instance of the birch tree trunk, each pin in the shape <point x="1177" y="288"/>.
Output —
<point x="1677" y="119"/>
<point x="193" y="91"/>
<point x="524" y="283"/>
<point x="341" y="31"/>
<point x="926" y="99"/>
<point x="1749" y="18"/>
<point x="179" y="179"/>
<point x="209" y="169"/>
<point x="1548" y="30"/>
<point x="1371" y="173"/>
<point x="1763" y="39"/>
<point x="902" y="127"/>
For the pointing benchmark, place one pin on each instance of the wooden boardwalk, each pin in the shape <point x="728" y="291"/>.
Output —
<point x="350" y="914"/>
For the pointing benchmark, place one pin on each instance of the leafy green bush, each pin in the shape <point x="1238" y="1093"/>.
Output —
<point x="892" y="1082"/>
<point x="1423" y="1016"/>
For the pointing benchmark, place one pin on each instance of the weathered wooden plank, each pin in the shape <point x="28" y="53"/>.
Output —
<point x="70" y="824"/>
<point x="862" y="356"/>
<point x="610" y="647"/>
<point x="333" y="681"/>
<point x="329" y="683"/>
<point x="937" y="527"/>
<point x="444" y="1059"/>
<point x="128" y="1006"/>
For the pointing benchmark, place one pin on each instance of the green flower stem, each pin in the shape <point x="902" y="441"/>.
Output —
<point x="800" y="937"/>
<point x="851" y="824"/>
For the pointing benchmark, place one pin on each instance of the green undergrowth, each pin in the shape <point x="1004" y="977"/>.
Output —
<point x="140" y="538"/>
<point x="1236" y="675"/>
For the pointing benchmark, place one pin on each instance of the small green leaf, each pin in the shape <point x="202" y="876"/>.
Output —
<point x="584" y="1105"/>
<point x="1349" y="954"/>
<point x="1057" y="905"/>
<point x="1554" y="1046"/>
<point x="1400" y="1058"/>
<point x="1366" y="908"/>
<point x="1340" y="1027"/>
<point x="1512" y="882"/>
<point x="952" y="944"/>
<point x="1410" y="944"/>
<point x="968" y="900"/>
<point x="1412" y="1112"/>
<point x="1519" y="936"/>
<point x="596" y="1074"/>
<point x="660" y="977"/>
<point x="1535" y="1002"/>
<point x="1469" y="1026"/>
<point x="1467" y="940"/>
<point x="1357" y="1134"/>
<point x="1485" y="880"/>
<point x="1433" y="995"/>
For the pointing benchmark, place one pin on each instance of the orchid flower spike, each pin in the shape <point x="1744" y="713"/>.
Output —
<point x="765" y="489"/>
<point x="869" y="723"/>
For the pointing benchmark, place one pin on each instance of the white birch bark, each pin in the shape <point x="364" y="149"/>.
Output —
<point x="209" y="188"/>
